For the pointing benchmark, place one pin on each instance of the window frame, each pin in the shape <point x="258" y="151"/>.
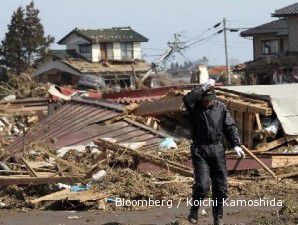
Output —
<point x="263" y="46"/>
<point x="126" y="50"/>
<point x="84" y="46"/>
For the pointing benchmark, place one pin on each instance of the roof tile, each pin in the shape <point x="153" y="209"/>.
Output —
<point x="278" y="27"/>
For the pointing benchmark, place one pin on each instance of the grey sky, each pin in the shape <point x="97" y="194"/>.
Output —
<point x="157" y="20"/>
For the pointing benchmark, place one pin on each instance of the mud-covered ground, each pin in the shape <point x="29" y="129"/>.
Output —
<point x="164" y="215"/>
<point x="251" y="215"/>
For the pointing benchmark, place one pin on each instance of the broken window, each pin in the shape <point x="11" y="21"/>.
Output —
<point x="115" y="81"/>
<point x="124" y="81"/>
<point x="270" y="47"/>
<point x="85" y="49"/>
<point x="126" y="50"/>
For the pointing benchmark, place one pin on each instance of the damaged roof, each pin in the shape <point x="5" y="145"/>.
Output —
<point x="278" y="27"/>
<point x="290" y="10"/>
<point x="114" y="34"/>
<point x="283" y="98"/>
<point x="86" y="67"/>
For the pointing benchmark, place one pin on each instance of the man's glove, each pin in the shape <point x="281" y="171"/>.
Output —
<point x="209" y="83"/>
<point x="239" y="151"/>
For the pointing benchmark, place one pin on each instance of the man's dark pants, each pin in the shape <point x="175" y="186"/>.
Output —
<point x="209" y="163"/>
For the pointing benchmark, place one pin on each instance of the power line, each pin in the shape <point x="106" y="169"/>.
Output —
<point x="204" y="32"/>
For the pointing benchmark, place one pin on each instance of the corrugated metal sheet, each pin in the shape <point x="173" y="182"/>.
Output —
<point x="74" y="116"/>
<point x="124" y="131"/>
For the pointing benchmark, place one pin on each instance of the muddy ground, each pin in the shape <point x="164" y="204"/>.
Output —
<point x="157" y="215"/>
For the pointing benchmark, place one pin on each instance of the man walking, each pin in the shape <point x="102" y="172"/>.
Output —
<point x="210" y="123"/>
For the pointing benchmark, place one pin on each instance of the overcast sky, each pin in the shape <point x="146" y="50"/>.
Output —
<point x="158" y="20"/>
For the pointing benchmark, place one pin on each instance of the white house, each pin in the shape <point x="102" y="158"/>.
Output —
<point x="112" y="54"/>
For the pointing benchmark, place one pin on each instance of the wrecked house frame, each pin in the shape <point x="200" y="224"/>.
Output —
<point x="112" y="55"/>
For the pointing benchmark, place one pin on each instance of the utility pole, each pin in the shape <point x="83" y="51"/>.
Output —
<point x="228" y="74"/>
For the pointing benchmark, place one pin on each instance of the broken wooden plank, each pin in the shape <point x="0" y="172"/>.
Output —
<point x="273" y="144"/>
<point x="258" y="160"/>
<point x="29" y="168"/>
<point x="245" y="106"/>
<point x="259" y="124"/>
<point x="287" y="175"/>
<point x="69" y="195"/>
<point x="65" y="162"/>
<point x="22" y="180"/>
<point x="163" y="163"/>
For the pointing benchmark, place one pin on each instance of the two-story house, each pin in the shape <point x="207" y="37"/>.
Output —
<point x="114" y="55"/>
<point x="275" y="49"/>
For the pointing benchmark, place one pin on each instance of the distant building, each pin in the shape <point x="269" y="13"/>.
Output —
<point x="112" y="54"/>
<point x="275" y="49"/>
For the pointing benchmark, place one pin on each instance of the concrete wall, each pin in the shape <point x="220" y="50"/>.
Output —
<point x="293" y="33"/>
<point x="257" y="44"/>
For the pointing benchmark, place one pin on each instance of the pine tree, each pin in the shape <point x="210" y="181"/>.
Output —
<point x="12" y="51"/>
<point x="35" y="44"/>
<point x="24" y="42"/>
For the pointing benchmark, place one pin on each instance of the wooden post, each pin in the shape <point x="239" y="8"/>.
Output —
<point x="239" y="122"/>
<point x="257" y="115"/>
<point x="248" y="129"/>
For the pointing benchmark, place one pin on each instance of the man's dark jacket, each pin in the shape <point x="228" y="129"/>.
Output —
<point x="210" y="125"/>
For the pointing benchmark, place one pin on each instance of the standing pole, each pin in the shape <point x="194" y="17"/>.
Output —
<point x="228" y="75"/>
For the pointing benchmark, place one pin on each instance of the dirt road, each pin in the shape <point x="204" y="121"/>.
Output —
<point x="158" y="216"/>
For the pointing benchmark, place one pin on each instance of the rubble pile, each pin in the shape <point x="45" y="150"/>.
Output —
<point x="88" y="152"/>
<point x="22" y="86"/>
<point x="12" y="126"/>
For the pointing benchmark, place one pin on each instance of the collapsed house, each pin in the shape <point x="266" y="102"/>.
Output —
<point x="99" y="59"/>
<point x="148" y="134"/>
<point x="275" y="49"/>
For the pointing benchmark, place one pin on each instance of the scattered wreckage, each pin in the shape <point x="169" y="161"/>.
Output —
<point x="78" y="148"/>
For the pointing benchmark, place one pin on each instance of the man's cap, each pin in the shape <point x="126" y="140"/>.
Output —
<point x="209" y="95"/>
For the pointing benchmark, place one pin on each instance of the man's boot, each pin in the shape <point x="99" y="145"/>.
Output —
<point x="193" y="215"/>
<point x="218" y="221"/>
<point x="217" y="214"/>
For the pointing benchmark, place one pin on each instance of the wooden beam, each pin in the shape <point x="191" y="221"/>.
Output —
<point x="258" y="160"/>
<point x="65" y="162"/>
<point x="163" y="163"/>
<point x="22" y="180"/>
<point x="259" y="124"/>
<point x="28" y="167"/>
<point x="245" y="106"/>
<point x="268" y="146"/>
<point x="286" y="175"/>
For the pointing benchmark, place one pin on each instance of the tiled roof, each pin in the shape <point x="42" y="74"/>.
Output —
<point x="217" y="70"/>
<point x="115" y="34"/>
<point x="290" y="10"/>
<point x="277" y="27"/>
